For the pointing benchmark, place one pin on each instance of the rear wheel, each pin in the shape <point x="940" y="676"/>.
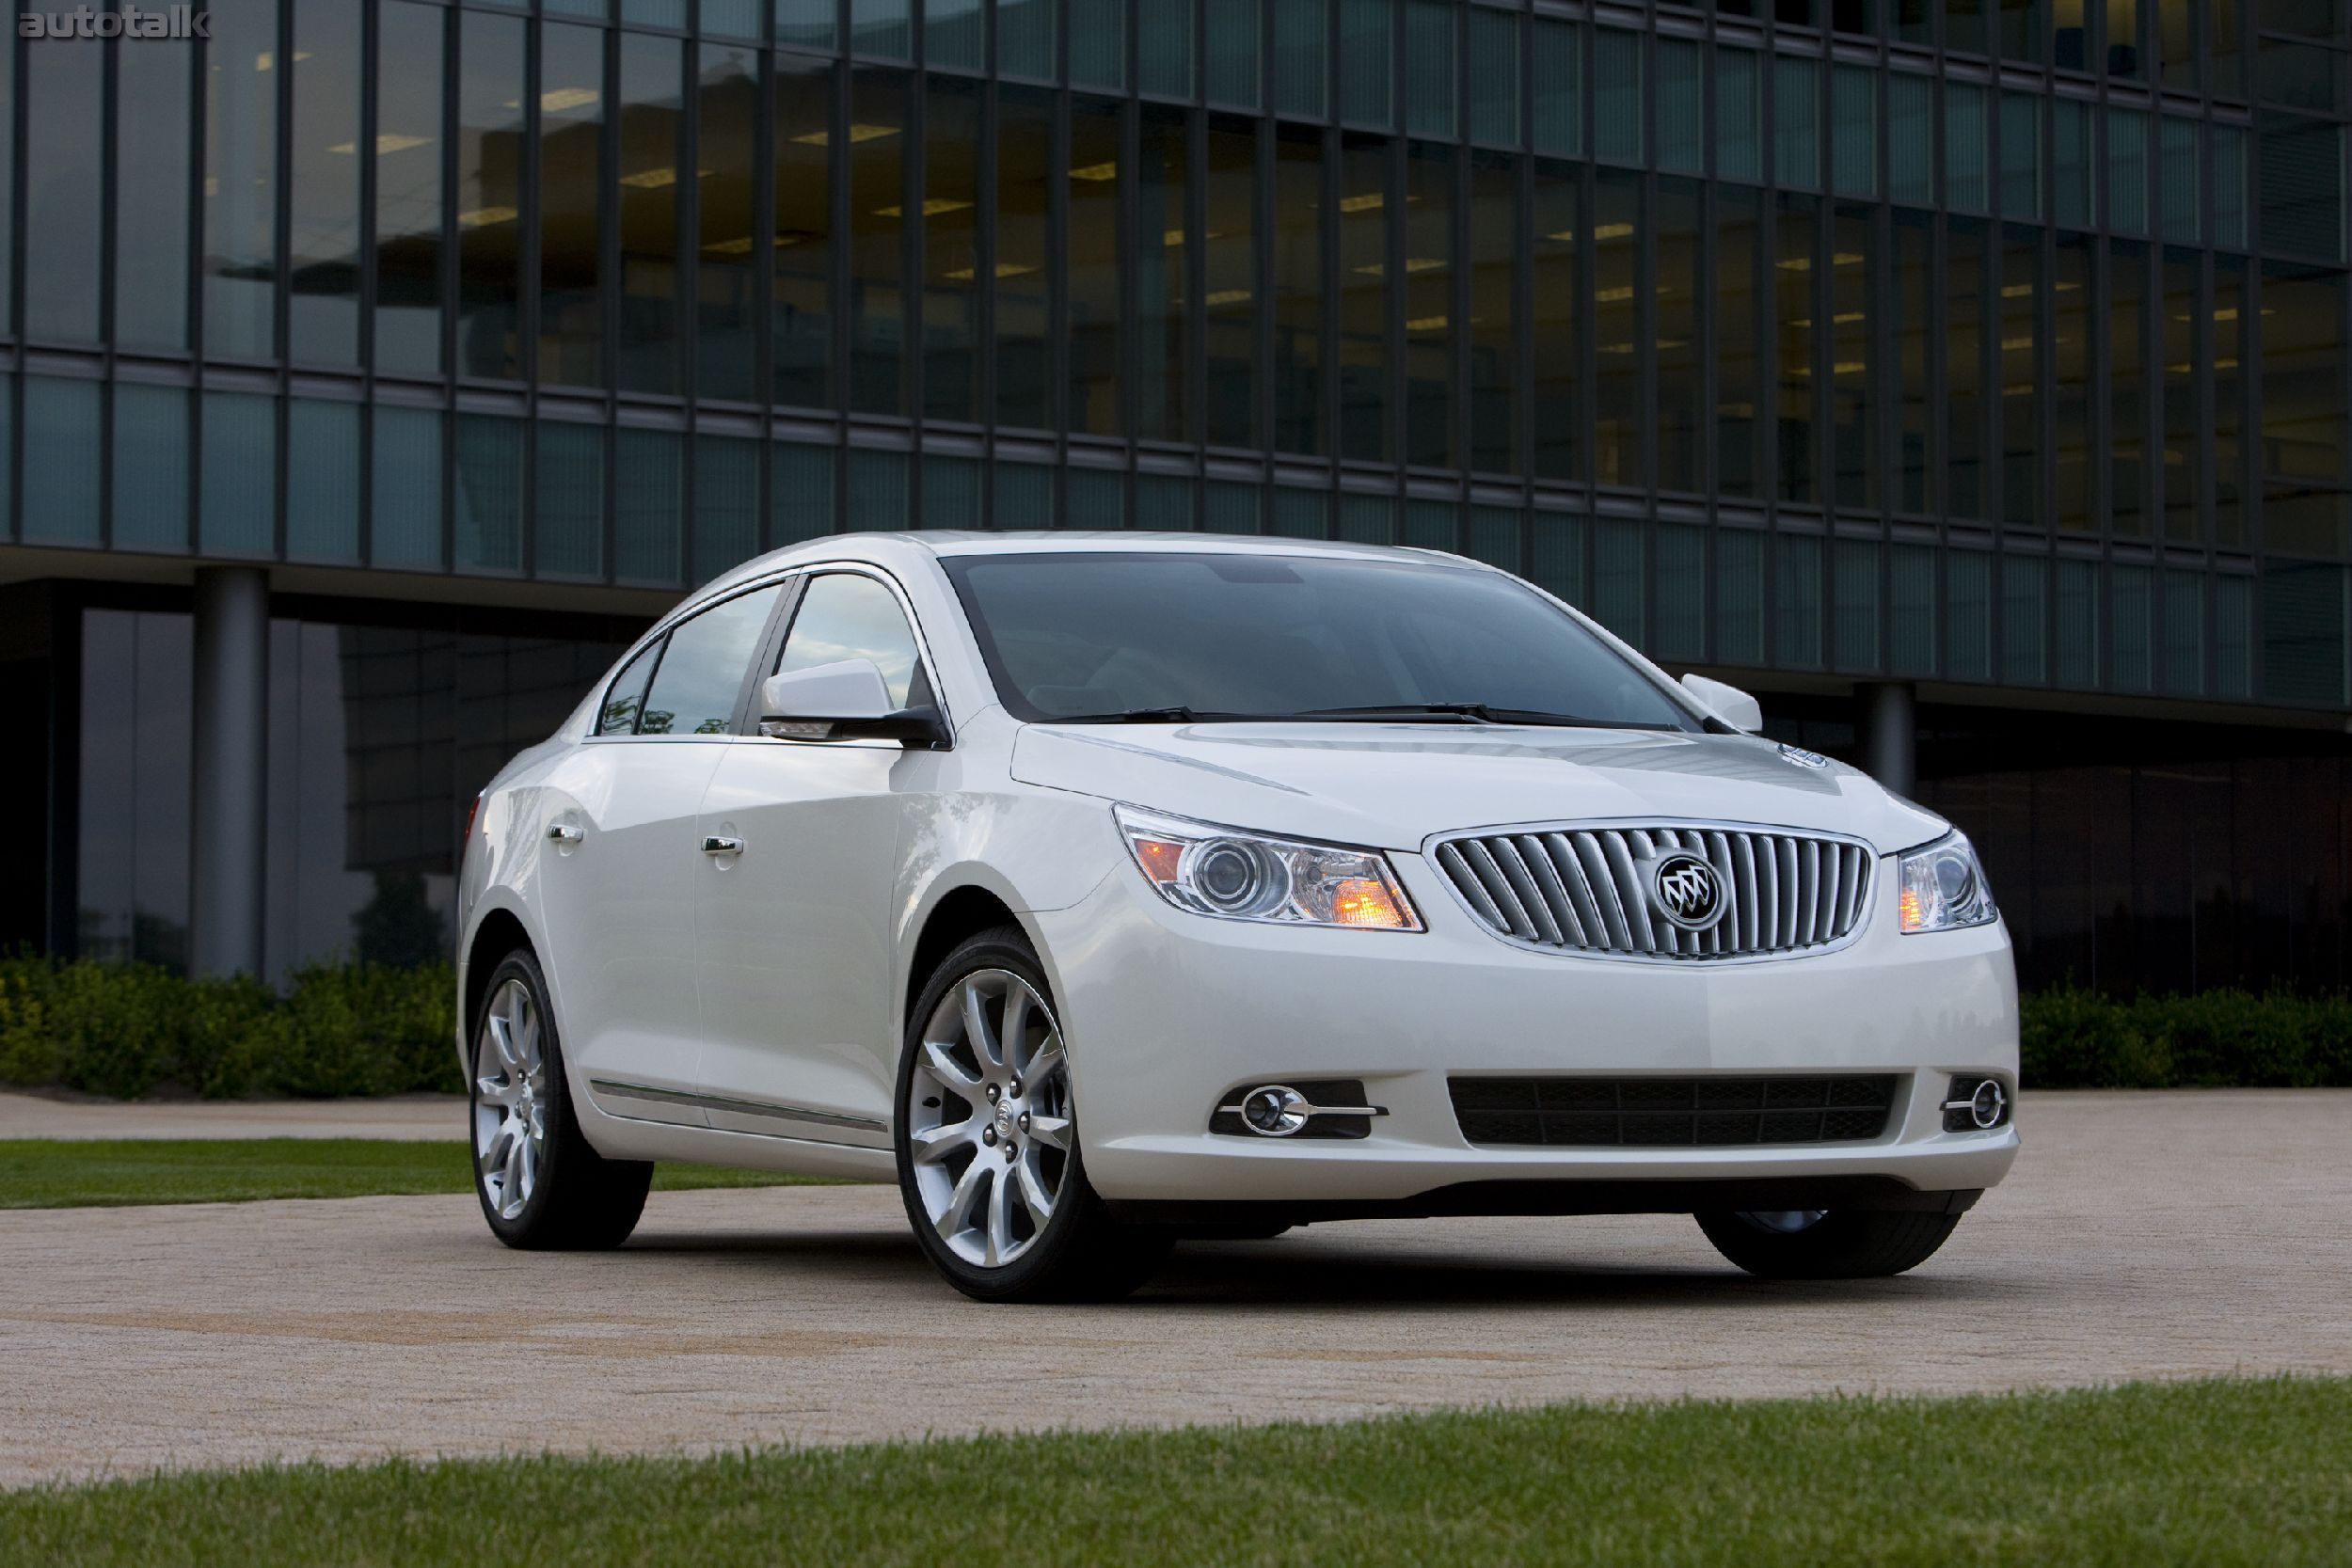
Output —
<point x="1827" y="1244"/>
<point x="989" y="1159"/>
<point x="541" y="1187"/>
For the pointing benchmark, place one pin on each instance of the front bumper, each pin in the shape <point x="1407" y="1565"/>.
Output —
<point x="1167" y="1013"/>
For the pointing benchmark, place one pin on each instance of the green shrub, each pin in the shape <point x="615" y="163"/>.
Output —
<point x="2075" y="1038"/>
<point x="125" y="1030"/>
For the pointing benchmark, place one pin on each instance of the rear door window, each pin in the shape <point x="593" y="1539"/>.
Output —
<point x="701" y="673"/>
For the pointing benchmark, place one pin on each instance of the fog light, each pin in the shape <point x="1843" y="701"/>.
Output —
<point x="1977" y="1105"/>
<point x="1274" y="1111"/>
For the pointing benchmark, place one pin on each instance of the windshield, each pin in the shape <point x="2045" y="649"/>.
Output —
<point x="1141" y="637"/>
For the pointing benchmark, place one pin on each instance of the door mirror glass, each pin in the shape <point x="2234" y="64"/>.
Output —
<point x="1727" y="703"/>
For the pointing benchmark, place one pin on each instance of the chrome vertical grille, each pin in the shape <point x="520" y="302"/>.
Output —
<point x="1588" y="889"/>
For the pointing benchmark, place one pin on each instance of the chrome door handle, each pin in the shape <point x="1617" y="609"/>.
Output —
<point x="564" y="833"/>
<point x="721" y="845"/>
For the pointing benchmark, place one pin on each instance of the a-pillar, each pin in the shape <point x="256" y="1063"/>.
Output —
<point x="232" y="767"/>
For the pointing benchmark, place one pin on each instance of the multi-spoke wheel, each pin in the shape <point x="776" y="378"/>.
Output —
<point x="540" y="1183"/>
<point x="1827" y="1244"/>
<point x="989" y="1159"/>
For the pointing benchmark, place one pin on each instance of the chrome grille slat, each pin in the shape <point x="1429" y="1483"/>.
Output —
<point x="1588" y="889"/>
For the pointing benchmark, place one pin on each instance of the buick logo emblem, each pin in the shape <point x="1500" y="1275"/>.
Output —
<point x="1687" y="891"/>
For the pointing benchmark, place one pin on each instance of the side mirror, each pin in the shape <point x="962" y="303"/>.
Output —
<point x="846" y="699"/>
<point x="1727" y="703"/>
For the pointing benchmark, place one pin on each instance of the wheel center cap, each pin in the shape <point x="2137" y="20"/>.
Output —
<point x="1006" y="1118"/>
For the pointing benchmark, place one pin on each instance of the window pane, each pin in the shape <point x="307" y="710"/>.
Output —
<point x="1911" y="139"/>
<point x="2127" y="171"/>
<point x="152" y="149"/>
<point x="2024" y="588"/>
<point x="489" y="195"/>
<point x="1675" y="292"/>
<point x="1556" y="556"/>
<point x="63" y="139"/>
<point x="1556" y="65"/>
<point x="2184" y="633"/>
<point x="1554" y="291"/>
<point x="405" y="491"/>
<point x="2070" y="160"/>
<point x="1963" y="372"/>
<point x="2178" y="179"/>
<point x="1797" y="601"/>
<point x="1739" y="123"/>
<point x="2020" y="24"/>
<point x="1911" y="617"/>
<point x="1964" y="24"/>
<point x="408" y="149"/>
<point x="1164" y="503"/>
<point x="1738" y="319"/>
<point x="1853" y="132"/>
<point x="877" y="199"/>
<point x="2022" y="416"/>
<point x="652" y="86"/>
<point x="1963" y="145"/>
<point x="2176" y="43"/>
<point x="1968" y="615"/>
<point x="1299" y="291"/>
<point x="2303" y="188"/>
<point x="1164" y="47"/>
<point x="1092" y="258"/>
<point x="1302" y="514"/>
<point x="1429" y="105"/>
<point x="1739" y="596"/>
<point x="2130" y="656"/>
<point x="1797" y="335"/>
<point x="1681" y="123"/>
<point x="571" y="182"/>
<point x="1023" y="495"/>
<point x="1618" y="579"/>
<point x="1914" y="300"/>
<point x="571" y="501"/>
<point x="1023" y="281"/>
<point x="322" y="480"/>
<point x="1160" y="246"/>
<point x="2233" y="643"/>
<point x="726" y="96"/>
<point x="1854" y="605"/>
<point x="727" y="503"/>
<point x="1492" y="328"/>
<point x="2231" y="334"/>
<point x="1617" y="95"/>
<point x="150" y="468"/>
<point x="240" y="180"/>
<point x="1853" y="402"/>
<point x="1230" y="303"/>
<point x="2124" y="38"/>
<point x="1430" y="335"/>
<point x="2182" y="459"/>
<point x="625" y="697"/>
<point x="884" y="28"/>
<point x="1098" y="43"/>
<point x="2229" y="186"/>
<point x="1366" y="206"/>
<point x="955" y="33"/>
<point x="2074" y="646"/>
<point x="877" y="490"/>
<point x="2307" y="443"/>
<point x="952" y="257"/>
<point x="702" y="672"/>
<point x="1301" y="54"/>
<point x="1796" y="121"/>
<point x="490" y="504"/>
<point x="2021" y="155"/>
<point x="61" y="430"/>
<point x="1618" y="412"/>
<point x="646" y="493"/>
<point x="238" y="503"/>
<point x="1494" y="76"/>
<point x="322" y="314"/>
<point x="1231" y="68"/>
<point x="2071" y="300"/>
<point x="844" y="616"/>
<point x="2127" y="407"/>
<point x="1365" y="43"/>
<point x="1026" y="43"/>
<point x="800" y="491"/>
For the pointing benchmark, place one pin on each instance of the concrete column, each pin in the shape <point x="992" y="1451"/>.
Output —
<point x="1890" y="727"/>
<point x="232" y="767"/>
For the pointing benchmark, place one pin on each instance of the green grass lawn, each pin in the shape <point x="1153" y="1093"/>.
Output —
<point x="2215" y="1472"/>
<point x="46" y="1173"/>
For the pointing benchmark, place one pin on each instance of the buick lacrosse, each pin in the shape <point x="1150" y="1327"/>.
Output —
<point x="1106" y="890"/>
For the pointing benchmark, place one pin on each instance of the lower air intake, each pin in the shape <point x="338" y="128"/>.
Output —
<point x="1672" y="1113"/>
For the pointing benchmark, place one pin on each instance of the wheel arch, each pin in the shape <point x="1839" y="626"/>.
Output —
<point x="498" y="932"/>
<point x="961" y="911"/>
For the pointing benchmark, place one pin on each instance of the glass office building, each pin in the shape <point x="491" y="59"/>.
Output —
<point x="1970" y="377"/>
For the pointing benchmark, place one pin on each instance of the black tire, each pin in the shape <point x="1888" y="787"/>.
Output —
<point x="1081" y="1253"/>
<point x="1851" y="1244"/>
<point x="576" y="1200"/>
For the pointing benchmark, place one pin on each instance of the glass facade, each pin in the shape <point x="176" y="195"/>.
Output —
<point x="2000" y="346"/>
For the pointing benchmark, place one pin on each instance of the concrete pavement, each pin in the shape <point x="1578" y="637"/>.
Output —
<point x="2142" y="1235"/>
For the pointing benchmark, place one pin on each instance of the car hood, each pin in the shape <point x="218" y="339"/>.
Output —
<point x="1393" y="786"/>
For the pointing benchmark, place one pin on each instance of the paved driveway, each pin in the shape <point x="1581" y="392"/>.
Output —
<point x="2157" y="1235"/>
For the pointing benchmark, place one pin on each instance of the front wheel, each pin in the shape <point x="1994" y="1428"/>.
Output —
<point x="1827" y="1244"/>
<point x="987" y="1138"/>
<point x="542" y="1186"/>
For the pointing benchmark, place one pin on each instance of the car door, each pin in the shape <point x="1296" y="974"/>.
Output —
<point x="794" y="926"/>
<point x="623" y="859"/>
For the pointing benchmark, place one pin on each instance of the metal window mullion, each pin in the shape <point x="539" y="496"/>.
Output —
<point x="1265" y="147"/>
<point x="764" y="292"/>
<point x="984" y="280"/>
<point x="841" y="87"/>
<point x="914" y="179"/>
<point x="445" y="254"/>
<point x="1195" y="222"/>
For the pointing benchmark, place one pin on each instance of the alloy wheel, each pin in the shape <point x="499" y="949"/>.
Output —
<point x="989" y="1126"/>
<point x="510" y="1099"/>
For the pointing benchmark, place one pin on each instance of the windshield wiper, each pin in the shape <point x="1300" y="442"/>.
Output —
<point x="1476" y="713"/>
<point x="1148" y="715"/>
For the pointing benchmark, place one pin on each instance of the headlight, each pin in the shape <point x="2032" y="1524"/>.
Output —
<point x="1237" y="875"/>
<point x="1944" y="888"/>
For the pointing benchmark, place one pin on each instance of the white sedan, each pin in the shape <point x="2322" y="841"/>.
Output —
<point x="1103" y="890"/>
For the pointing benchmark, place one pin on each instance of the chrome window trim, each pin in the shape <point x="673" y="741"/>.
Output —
<point x="1430" y="845"/>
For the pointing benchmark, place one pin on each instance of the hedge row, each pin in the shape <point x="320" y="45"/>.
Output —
<point x="128" y="1029"/>
<point x="2073" y="1038"/>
